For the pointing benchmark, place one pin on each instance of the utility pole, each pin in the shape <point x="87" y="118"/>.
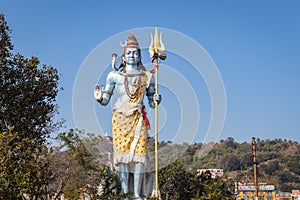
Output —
<point x="255" y="168"/>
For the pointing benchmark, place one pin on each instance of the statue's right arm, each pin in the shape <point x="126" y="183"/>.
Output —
<point x="103" y="95"/>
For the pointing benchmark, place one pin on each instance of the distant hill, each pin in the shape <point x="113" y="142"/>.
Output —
<point x="278" y="161"/>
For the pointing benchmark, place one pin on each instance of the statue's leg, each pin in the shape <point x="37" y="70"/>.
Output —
<point x="124" y="176"/>
<point x="138" y="178"/>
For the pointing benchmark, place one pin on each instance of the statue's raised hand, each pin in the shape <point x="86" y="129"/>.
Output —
<point x="97" y="93"/>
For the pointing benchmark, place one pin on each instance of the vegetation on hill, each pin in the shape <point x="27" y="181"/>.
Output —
<point x="278" y="161"/>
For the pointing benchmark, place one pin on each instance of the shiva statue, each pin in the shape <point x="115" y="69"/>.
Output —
<point x="130" y="82"/>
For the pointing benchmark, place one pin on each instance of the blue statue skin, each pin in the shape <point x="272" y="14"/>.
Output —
<point x="131" y="58"/>
<point x="115" y="84"/>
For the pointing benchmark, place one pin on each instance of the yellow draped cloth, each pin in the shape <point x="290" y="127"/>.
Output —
<point x="129" y="130"/>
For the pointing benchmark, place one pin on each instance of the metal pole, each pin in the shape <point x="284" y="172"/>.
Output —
<point x="155" y="46"/>
<point x="255" y="167"/>
<point x="156" y="135"/>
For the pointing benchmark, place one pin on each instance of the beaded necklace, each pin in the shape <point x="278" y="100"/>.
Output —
<point x="137" y="84"/>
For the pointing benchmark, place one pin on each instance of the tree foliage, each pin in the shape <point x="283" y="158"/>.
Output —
<point x="217" y="188"/>
<point x="28" y="91"/>
<point x="27" y="103"/>
<point x="176" y="183"/>
<point x="76" y="171"/>
<point x="22" y="168"/>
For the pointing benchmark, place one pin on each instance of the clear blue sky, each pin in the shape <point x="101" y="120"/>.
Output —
<point x="255" y="45"/>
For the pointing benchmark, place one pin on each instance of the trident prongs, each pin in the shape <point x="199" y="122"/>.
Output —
<point x="156" y="44"/>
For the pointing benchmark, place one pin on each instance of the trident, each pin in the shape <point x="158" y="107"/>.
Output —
<point x="156" y="46"/>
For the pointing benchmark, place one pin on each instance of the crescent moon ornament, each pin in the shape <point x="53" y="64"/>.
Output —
<point x="123" y="45"/>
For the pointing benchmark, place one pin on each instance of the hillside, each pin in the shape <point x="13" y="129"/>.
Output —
<point x="278" y="161"/>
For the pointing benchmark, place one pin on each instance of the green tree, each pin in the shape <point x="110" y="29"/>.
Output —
<point x="175" y="182"/>
<point x="213" y="188"/>
<point x="28" y="92"/>
<point x="75" y="170"/>
<point x="27" y="103"/>
<point x="22" y="168"/>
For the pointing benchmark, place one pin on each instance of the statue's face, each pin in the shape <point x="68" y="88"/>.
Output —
<point x="132" y="56"/>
